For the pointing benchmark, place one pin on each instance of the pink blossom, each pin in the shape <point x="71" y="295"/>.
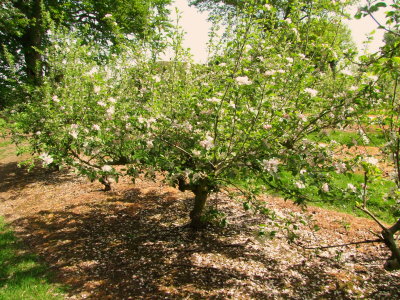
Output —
<point x="207" y="143"/>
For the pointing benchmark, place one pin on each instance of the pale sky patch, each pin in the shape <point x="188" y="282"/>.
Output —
<point x="365" y="26"/>
<point x="196" y="26"/>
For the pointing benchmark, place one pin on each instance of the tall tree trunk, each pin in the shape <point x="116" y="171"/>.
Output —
<point x="200" y="199"/>
<point x="32" y="41"/>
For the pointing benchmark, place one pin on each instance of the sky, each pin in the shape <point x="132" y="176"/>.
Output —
<point x="196" y="27"/>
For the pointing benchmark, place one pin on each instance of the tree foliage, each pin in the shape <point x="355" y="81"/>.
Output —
<point x="25" y="28"/>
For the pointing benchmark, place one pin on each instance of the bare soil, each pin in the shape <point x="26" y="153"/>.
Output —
<point x="132" y="243"/>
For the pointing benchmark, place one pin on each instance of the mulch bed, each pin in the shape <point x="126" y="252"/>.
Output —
<point x="132" y="243"/>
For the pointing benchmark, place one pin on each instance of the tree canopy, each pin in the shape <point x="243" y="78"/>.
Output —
<point x="25" y="27"/>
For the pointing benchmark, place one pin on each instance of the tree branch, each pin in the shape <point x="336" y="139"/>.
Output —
<point x="343" y="245"/>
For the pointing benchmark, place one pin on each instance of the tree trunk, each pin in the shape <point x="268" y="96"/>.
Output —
<point x="107" y="185"/>
<point x="200" y="199"/>
<point x="393" y="263"/>
<point x="32" y="40"/>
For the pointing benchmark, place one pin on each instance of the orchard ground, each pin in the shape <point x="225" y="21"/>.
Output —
<point x="132" y="243"/>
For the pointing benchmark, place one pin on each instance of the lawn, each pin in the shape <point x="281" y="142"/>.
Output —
<point x="383" y="207"/>
<point x="376" y="139"/>
<point x="22" y="276"/>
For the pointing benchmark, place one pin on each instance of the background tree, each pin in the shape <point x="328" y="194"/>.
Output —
<point x="25" y="27"/>
<point x="325" y="39"/>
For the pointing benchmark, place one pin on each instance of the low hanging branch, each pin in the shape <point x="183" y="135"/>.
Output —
<point x="372" y="216"/>
<point x="343" y="245"/>
<point x="393" y="262"/>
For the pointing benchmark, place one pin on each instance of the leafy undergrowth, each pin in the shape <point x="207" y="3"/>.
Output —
<point x="132" y="243"/>
<point x="21" y="275"/>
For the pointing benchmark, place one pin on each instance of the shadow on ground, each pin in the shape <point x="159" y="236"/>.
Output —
<point x="13" y="177"/>
<point x="135" y="246"/>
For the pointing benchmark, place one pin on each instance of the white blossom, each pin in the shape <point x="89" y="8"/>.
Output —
<point x="47" y="159"/>
<point x="111" y="111"/>
<point x="112" y="100"/>
<point x="302" y="117"/>
<point x="74" y="134"/>
<point x="340" y="167"/>
<point x="300" y="184"/>
<point x="243" y="80"/>
<point x="151" y="120"/>
<point x="271" y="165"/>
<point x="347" y="72"/>
<point x="207" y="143"/>
<point x="267" y="126"/>
<point x="93" y="71"/>
<point x="196" y="152"/>
<point x="108" y="16"/>
<point x="371" y="160"/>
<point x="325" y="187"/>
<point x="269" y="72"/>
<point x="97" y="89"/>
<point x="312" y="92"/>
<point x="149" y="144"/>
<point x="101" y="103"/>
<point x="365" y="139"/>
<point x="353" y="88"/>
<point x="106" y="168"/>
<point x="188" y="126"/>
<point x="213" y="100"/>
<point x="96" y="127"/>
<point x="253" y="110"/>
<point x="351" y="187"/>
<point x="55" y="98"/>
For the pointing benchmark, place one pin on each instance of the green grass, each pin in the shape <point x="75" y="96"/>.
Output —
<point x="385" y="209"/>
<point x="21" y="275"/>
<point x="348" y="138"/>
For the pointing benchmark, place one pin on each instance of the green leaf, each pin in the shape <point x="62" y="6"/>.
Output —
<point x="381" y="4"/>
<point x="396" y="59"/>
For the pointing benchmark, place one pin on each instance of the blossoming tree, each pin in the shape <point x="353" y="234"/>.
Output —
<point x="242" y="120"/>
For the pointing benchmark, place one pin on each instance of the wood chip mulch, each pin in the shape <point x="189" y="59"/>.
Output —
<point x="132" y="243"/>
